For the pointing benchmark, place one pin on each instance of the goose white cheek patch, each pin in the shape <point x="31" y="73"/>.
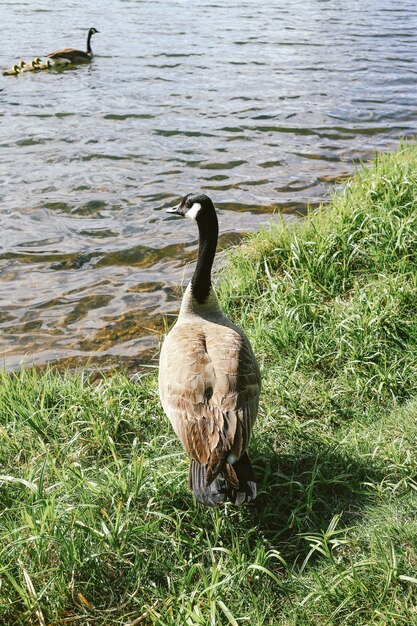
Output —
<point x="193" y="212"/>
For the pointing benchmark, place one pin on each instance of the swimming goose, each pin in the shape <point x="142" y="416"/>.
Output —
<point x="71" y="55"/>
<point x="209" y="380"/>
<point x="12" y="71"/>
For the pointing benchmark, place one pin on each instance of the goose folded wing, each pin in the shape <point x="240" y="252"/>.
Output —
<point x="59" y="53"/>
<point x="210" y="394"/>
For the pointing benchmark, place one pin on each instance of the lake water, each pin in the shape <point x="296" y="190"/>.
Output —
<point x="262" y="106"/>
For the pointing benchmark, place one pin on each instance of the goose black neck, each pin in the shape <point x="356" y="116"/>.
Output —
<point x="201" y="280"/>
<point x="90" y="34"/>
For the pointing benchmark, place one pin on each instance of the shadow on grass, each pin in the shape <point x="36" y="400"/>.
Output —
<point x="301" y="493"/>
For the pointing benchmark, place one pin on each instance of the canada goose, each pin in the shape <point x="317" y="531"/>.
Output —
<point x="209" y="380"/>
<point x="32" y="66"/>
<point x="12" y="71"/>
<point x="71" y="55"/>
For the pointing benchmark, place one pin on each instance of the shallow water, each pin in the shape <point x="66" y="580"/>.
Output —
<point x="261" y="107"/>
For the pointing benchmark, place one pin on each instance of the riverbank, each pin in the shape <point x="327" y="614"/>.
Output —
<point x="97" y="525"/>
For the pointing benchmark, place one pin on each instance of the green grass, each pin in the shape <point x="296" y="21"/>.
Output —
<point x="96" y="523"/>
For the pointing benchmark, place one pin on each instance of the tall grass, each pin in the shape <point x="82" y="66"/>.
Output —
<point x="96" y="523"/>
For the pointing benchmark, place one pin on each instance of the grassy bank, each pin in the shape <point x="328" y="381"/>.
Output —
<point x="96" y="523"/>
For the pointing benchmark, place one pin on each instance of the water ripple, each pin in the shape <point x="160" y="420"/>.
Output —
<point x="263" y="106"/>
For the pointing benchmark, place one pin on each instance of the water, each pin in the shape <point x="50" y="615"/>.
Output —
<point x="261" y="106"/>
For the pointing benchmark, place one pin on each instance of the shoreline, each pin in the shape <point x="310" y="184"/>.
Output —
<point x="95" y="510"/>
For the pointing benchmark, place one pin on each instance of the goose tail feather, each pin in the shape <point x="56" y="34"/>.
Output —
<point x="236" y="483"/>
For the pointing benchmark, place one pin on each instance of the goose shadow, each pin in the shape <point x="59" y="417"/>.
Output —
<point x="300" y="492"/>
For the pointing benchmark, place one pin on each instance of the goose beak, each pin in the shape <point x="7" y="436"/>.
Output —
<point x="175" y="210"/>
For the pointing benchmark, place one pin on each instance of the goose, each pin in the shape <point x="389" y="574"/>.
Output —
<point x="12" y="71"/>
<point x="71" y="55"/>
<point x="209" y="379"/>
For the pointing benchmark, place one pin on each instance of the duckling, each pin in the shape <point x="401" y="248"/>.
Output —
<point x="37" y="61"/>
<point x="45" y="66"/>
<point x="71" y="55"/>
<point x="13" y="71"/>
<point x="32" y="66"/>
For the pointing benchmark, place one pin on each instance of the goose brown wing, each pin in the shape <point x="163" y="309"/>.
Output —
<point x="59" y="53"/>
<point x="209" y="386"/>
<point x="68" y="53"/>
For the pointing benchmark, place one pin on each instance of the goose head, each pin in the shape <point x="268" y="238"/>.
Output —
<point x="91" y="32"/>
<point x="195" y="206"/>
<point x="199" y="208"/>
<point x="21" y="64"/>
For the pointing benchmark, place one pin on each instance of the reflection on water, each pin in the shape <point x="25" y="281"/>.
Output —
<point x="261" y="107"/>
